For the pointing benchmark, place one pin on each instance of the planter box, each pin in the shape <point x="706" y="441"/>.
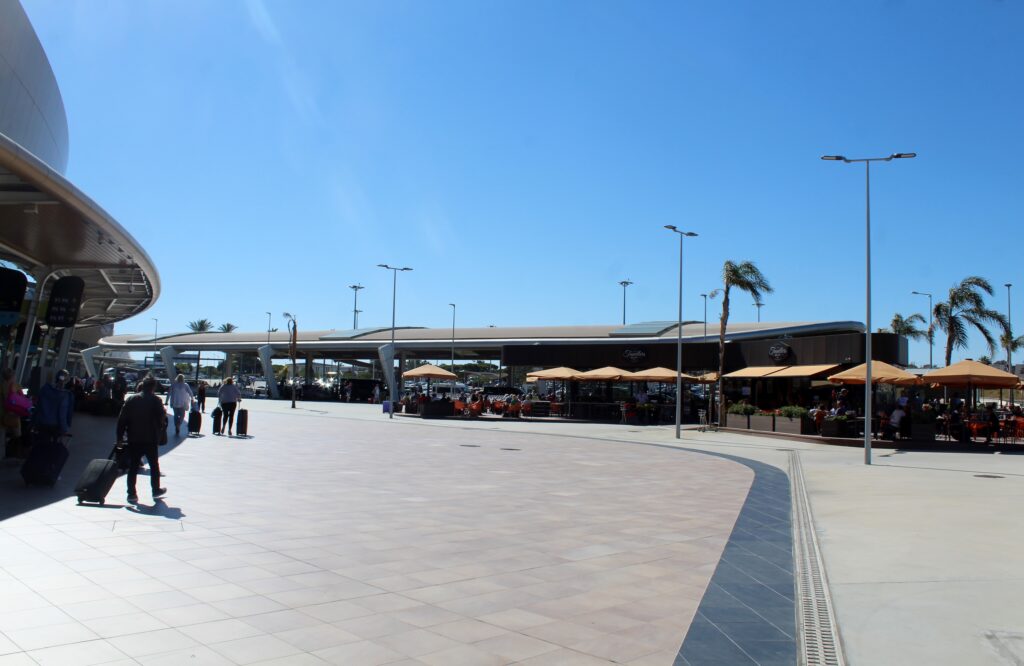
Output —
<point x="922" y="432"/>
<point x="835" y="428"/>
<point x="741" y="421"/>
<point x="793" y="426"/>
<point x="761" y="422"/>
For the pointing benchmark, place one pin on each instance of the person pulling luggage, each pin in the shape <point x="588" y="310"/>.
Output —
<point x="229" y="396"/>
<point x="142" y="420"/>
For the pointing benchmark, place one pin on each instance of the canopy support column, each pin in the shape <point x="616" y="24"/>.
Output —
<point x="387" y="364"/>
<point x="66" y="337"/>
<point x="89" y="360"/>
<point x="167" y="355"/>
<point x="266" y="354"/>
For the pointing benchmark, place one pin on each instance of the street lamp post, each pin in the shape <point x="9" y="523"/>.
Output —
<point x="679" y="331"/>
<point x="758" y="305"/>
<point x="931" y="336"/>
<point x="1009" y="339"/>
<point x="355" y="304"/>
<point x="624" y="283"/>
<point x="268" y="328"/>
<point x="393" y="389"/>
<point x="867" y="285"/>
<point x="453" y="344"/>
<point x="292" y="351"/>
<point x="156" y="323"/>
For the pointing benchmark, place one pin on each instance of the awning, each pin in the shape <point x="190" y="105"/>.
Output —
<point x="804" y="371"/>
<point x="754" y="372"/>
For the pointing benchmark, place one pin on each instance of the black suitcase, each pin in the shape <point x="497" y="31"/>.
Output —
<point x="242" y="423"/>
<point x="97" y="479"/>
<point x="195" y="422"/>
<point x="217" y="414"/>
<point x="45" y="461"/>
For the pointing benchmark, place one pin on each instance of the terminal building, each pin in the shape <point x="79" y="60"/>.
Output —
<point x="803" y="349"/>
<point x="68" y="270"/>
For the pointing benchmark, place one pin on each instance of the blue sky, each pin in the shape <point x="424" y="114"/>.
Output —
<point x="523" y="157"/>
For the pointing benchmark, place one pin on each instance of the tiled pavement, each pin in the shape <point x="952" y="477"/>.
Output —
<point x="355" y="541"/>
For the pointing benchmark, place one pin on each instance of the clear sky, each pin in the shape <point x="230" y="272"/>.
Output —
<point x="523" y="157"/>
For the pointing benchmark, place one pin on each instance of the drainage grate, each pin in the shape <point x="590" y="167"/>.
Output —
<point x="818" y="634"/>
<point x="988" y="476"/>
<point x="470" y="446"/>
<point x="511" y="449"/>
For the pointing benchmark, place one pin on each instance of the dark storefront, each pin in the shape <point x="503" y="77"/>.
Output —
<point x="841" y="348"/>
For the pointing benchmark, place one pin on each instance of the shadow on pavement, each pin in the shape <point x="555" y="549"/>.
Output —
<point x="93" y="437"/>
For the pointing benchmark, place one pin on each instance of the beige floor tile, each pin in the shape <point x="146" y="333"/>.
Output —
<point x="364" y="653"/>
<point x="417" y="642"/>
<point x="516" y="647"/>
<point x="468" y="631"/>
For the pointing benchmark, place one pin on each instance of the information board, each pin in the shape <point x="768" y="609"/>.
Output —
<point x="65" y="301"/>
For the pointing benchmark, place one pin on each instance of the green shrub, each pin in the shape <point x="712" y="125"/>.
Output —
<point x="792" y="411"/>
<point x="742" y="408"/>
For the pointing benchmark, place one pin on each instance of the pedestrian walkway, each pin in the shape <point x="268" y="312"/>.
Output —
<point x="336" y="535"/>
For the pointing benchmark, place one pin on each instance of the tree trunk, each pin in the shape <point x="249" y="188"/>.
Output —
<point x="949" y="349"/>
<point x="721" y="350"/>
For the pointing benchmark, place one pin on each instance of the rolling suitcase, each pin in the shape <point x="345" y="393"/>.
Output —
<point x="242" y="423"/>
<point x="195" y="422"/>
<point x="97" y="479"/>
<point x="217" y="415"/>
<point x="45" y="461"/>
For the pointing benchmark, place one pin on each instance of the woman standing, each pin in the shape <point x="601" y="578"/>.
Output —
<point x="229" y="397"/>
<point x="10" y="423"/>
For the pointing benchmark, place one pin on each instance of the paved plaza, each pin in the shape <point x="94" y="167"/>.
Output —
<point x="336" y="535"/>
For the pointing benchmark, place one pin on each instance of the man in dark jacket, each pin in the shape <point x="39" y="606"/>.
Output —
<point x="54" y="407"/>
<point x="143" y="419"/>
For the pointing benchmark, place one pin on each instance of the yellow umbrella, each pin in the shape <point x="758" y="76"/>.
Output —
<point x="664" y="375"/>
<point x="881" y="373"/>
<point x="428" y="371"/>
<point x="605" y="374"/>
<point x="973" y="374"/>
<point x="707" y="378"/>
<point x="562" y="373"/>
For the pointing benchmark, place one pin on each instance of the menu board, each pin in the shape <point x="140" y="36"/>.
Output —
<point x="12" y="295"/>
<point x="65" y="301"/>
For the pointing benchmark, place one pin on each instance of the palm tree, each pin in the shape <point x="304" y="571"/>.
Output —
<point x="227" y="328"/>
<point x="744" y="276"/>
<point x="965" y="307"/>
<point x="907" y="326"/>
<point x="200" y="326"/>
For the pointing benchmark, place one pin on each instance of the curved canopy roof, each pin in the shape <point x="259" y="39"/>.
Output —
<point x="48" y="227"/>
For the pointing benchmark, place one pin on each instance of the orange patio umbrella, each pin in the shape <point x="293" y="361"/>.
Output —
<point x="707" y="378"/>
<point x="881" y="373"/>
<point x="606" y="374"/>
<point x="561" y="373"/>
<point x="972" y="374"/>
<point x="428" y="371"/>
<point x="659" y="374"/>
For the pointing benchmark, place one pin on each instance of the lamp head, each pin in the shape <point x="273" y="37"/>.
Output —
<point x="689" y="234"/>
<point x="1008" y="285"/>
<point x="671" y="227"/>
<point x="903" y="156"/>
<point x="833" y="158"/>
<point x="405" y="269"/>
<point x="383" y="266"/>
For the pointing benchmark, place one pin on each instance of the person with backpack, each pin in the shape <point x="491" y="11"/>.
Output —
<point x="54" y="407"/>
<point x="142" y="421"/>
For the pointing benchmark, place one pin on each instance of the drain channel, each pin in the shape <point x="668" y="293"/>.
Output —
<point x="817" y="632"/>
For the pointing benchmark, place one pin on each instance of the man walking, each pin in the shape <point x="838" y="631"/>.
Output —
<point x="143" y="419"/>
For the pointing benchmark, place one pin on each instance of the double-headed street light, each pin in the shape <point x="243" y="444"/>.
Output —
<point x="758" y="304"/>
<point x="293" y="351"/>
<point x="679" y="331"/>
<point x="355" y="304"/>
<point x="453" y="344"/>
<point x="867" y="288"/>
<point x="931" y="335"/>
<point x="1009" y="337"/>
<point x="393" y="389"/>
<point x="624" y="283"/>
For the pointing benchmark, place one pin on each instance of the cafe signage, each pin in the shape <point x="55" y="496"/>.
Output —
<point x="634" y="355"/>
<point x="65" y="301"/>
<point x="779" y="352"/>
